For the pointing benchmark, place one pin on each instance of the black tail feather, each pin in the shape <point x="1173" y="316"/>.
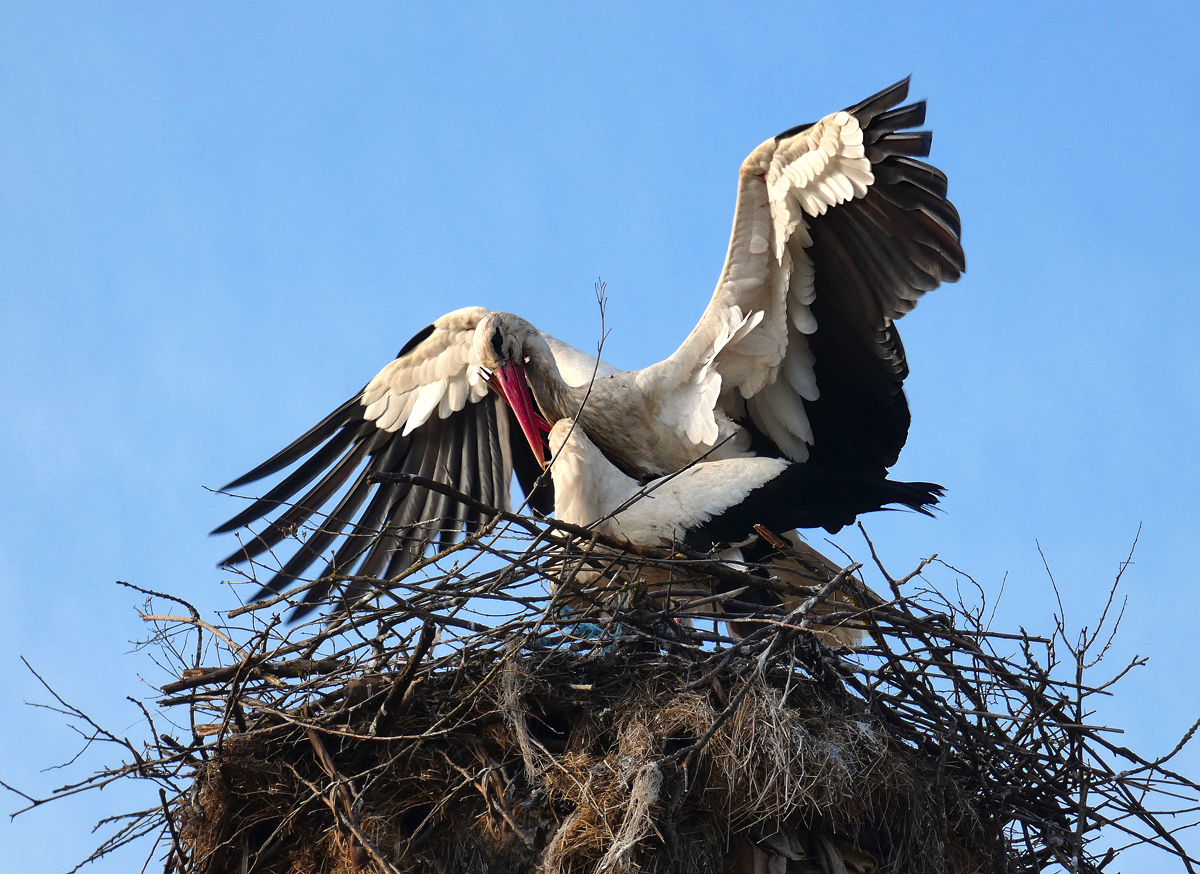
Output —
<point x="808" y="496"/>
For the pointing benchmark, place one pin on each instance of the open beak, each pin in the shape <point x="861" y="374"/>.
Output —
<point x="509" y="381"/>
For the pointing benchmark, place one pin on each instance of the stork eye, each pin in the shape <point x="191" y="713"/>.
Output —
<point x="498" y="343"/>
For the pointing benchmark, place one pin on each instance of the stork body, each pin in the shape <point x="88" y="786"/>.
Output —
<point x="715" y="505"/>
<point x="837" y="232"/>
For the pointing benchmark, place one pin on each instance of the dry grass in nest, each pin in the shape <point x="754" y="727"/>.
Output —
<point x="543" y="774"/>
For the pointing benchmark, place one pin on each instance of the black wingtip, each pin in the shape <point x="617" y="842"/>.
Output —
<point x="922" y="497"/>
<point x="884" y="100"/>
<point x="224" y="529"/>
<point x="348" y="413"/>
<point x="235" y="558"/>
<point x="910" y="116"/>
<point x="875" y="107"/>
<point x="240" y="481"/>
<point x="915" y="144"/>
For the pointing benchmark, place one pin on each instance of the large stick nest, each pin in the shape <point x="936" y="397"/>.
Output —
<point x="563" y="763"/>
<point x="534" y="699"/>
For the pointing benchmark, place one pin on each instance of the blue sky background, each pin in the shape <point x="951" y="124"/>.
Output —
<point x="217" y="222"/>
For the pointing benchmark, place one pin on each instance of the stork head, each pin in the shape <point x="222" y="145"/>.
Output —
<point x="504" y="345"/>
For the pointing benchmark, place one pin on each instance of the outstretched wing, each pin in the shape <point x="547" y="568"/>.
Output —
<point x="838" y="231"/>
<point x="428" y="413"/>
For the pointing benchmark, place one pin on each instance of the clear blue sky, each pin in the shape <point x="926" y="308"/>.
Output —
<point x="217" y="222"/>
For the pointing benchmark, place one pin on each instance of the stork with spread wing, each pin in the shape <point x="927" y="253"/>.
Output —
<point x="838" y="230"/>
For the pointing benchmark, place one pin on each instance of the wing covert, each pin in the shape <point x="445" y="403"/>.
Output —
<point x="440" y="372"/>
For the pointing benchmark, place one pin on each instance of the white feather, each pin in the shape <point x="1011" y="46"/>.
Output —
<point x="589" y="489"/>
<point x="456" y="394"/>
<point x="798" y="369"/>
<point x="387" y="417"/>
<point x="427" y="400"/>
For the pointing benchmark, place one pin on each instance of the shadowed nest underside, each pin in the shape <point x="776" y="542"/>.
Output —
<point x="601" y="763"/>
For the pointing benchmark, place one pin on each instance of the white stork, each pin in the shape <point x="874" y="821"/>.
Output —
<point x="837" y="232"/>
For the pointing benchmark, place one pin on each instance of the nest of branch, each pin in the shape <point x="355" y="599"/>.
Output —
<point x="562" y="762"/>
<point x="536" y="699"/>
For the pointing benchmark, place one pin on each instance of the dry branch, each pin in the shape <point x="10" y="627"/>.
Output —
<point x="528" y="701"/>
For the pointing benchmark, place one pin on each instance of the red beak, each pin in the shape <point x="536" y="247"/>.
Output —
<point x="509" y="380"/>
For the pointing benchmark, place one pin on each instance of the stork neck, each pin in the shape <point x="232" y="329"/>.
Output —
<point x="554" y="396"/>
